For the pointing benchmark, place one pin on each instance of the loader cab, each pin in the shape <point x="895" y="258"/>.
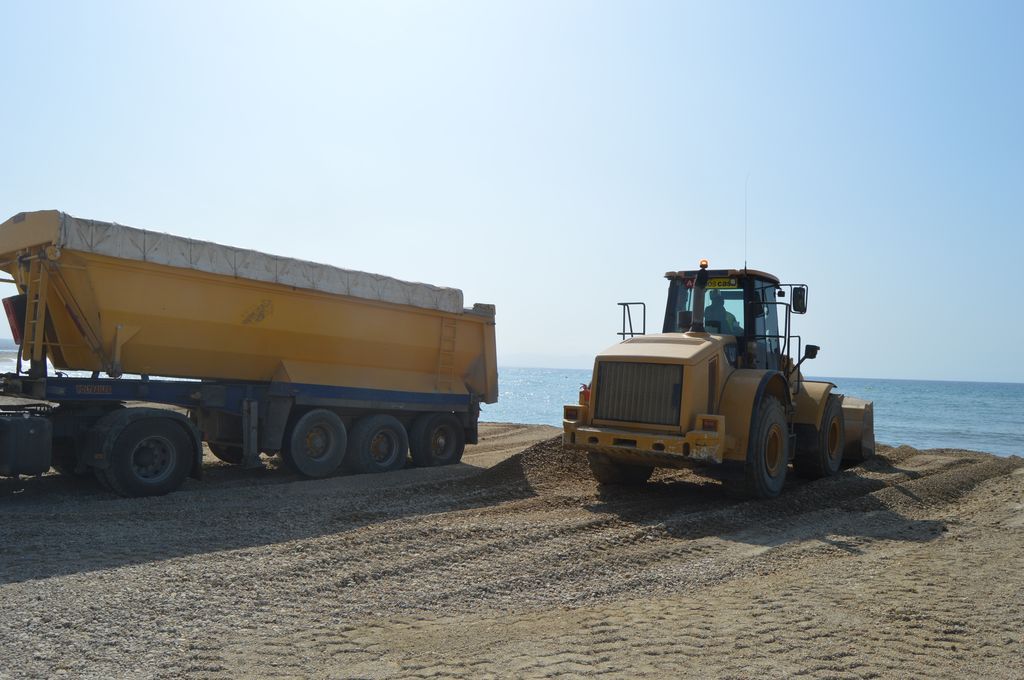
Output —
<point x="741" y="303"/>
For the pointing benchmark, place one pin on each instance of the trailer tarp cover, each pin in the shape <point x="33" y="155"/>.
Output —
<point x="115" y="240"/>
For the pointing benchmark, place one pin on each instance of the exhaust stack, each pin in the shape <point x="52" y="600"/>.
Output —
<point x="701" y="282"/>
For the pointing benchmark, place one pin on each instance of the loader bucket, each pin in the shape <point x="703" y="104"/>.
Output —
<point x="859" y="420"/>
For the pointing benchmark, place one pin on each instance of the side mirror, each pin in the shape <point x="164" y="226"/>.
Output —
<point x="811" y="352"/>
<point x="684" y="320"/>
<point x="799" y="299"/>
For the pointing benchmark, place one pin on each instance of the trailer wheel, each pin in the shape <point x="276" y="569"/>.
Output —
<point x="819" y="451"/>
<point x="768" y="451"/>
<point x="436" y="439"/>
<point x="607" y="471"/>
<point x="226" y="453"/>
<point x="316" y="444"/>
<point x="150" y="457"/>
<point x="379" y="444"/>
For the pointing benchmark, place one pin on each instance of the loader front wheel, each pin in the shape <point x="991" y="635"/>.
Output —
<point x="768" y="450"/>
<point x="819" y="451"/>
<point x="607" y="471"/>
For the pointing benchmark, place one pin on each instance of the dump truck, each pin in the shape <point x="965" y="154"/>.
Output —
<point x="249" y="352"/>
<point x="718" y="386"/>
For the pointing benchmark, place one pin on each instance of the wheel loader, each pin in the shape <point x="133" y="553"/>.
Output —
<point x="718" y="386"/>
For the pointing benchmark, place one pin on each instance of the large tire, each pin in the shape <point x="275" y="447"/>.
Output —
<point x="227" y="453"/>
<point x="379" y="444"/>
<point x="767" y="451"/>
<point x="315" y="444"/>
<point x="607" y="471"/>
<point x="819" y="451"/>
<point x="436" y="439"/>
<point x="151" y="457"/>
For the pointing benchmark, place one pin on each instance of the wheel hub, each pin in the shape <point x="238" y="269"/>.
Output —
<point x="439" y="442"/>
<point x="773" y="451"/>
<point x="383" y="446"/>
<point x="153" y="459"/>
<point x="317" y="443"/>
<point x="833" y="438"/>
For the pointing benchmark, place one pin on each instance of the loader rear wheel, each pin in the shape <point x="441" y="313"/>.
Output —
<point x="315" y="444"/>
<point x="379" y="444"/>
<point x="768" y="450"/>
<point x="150" y="457"/>
<point x="226" y="453"/>
<point x="607" y="471"/>
<point x="436" y="439"/>
<point x="819" y="451"/>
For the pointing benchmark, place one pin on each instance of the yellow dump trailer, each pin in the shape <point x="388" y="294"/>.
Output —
<point x="326" y="365"/>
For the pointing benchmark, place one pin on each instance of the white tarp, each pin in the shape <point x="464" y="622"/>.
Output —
<point x="104" y="238"/>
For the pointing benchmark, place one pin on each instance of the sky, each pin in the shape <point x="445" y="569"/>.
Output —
<point x="554" y="158"/>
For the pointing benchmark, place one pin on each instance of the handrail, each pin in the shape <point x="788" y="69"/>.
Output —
<point x="627" y="319"/>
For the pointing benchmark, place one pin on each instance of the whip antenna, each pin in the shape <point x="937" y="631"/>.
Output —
<point x="745" y="183"/>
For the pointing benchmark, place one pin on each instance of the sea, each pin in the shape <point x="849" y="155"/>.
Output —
<point x="925" y="414"/>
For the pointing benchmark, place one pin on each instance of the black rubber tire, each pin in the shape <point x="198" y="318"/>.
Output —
<point x="151" y="457"/>
<point x="607" y="471"/>
<point x="819" y="451"/>
<point x="227" y="453"/>
<point x="436" y="439"/>
<point x="379" y="444"/>
<point x="316" y="444"/>
<point x="767" y="451"/>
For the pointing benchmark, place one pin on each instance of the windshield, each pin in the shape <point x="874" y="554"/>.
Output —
<point x="723" y="306"/>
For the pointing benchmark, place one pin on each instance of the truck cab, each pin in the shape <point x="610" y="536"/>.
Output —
<point x="718" y="384"/>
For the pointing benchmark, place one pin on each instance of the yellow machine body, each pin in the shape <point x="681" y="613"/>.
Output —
<point x="687" y="398"/>
<point x="715" y="408"/>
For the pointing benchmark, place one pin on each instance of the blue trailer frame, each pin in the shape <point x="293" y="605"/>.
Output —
<point x="91" y="415"/>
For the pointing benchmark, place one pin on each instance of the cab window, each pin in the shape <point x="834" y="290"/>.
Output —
<point x="766" y="325"/>
<point x="723" y="306"/>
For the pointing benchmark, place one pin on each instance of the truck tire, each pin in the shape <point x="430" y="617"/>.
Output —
<point x="768" y="450"/>
<point x="150" y="457"/>
<point x="379" y="444"/>
<point x="607" y="471"/>
<point x="819" y="451"/>
<point x="226" y="453"/>
<point x="315" y="445"/>
<point x="436" y="439"/>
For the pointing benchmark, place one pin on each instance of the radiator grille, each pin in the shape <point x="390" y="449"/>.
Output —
<point x="638" y="393"/>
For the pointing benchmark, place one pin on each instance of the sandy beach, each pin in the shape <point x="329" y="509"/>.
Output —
<point x="516" y="564"/>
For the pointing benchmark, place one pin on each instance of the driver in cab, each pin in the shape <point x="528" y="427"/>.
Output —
<point x="717" y="316"/>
